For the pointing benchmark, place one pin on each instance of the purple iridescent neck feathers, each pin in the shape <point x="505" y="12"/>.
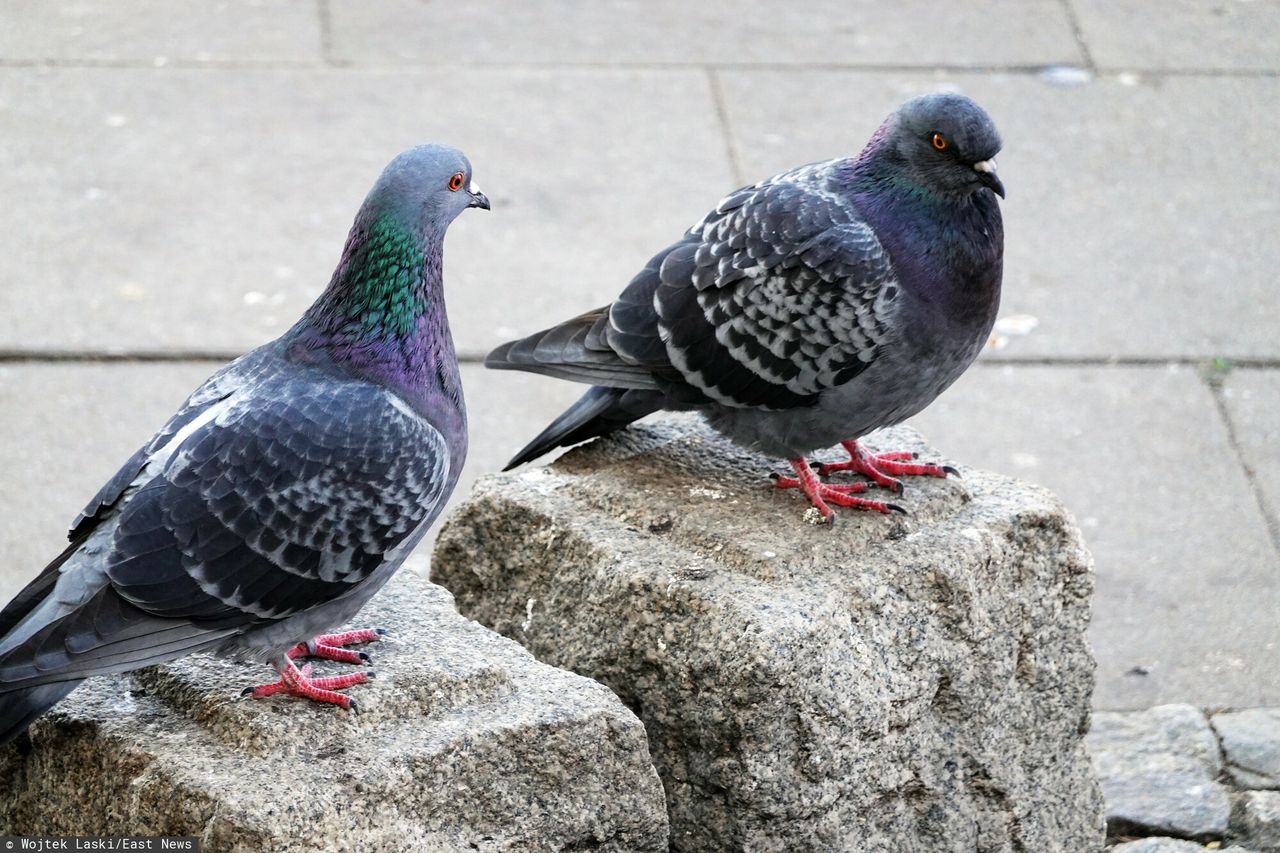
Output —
<point x="383" y="313"/>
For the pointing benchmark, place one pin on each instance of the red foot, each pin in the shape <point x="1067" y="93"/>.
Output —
<point x="329" y="646"/>
<point x="819" y="493"/>
<point x="878" y="466"/>
<point x="300" y="683"/>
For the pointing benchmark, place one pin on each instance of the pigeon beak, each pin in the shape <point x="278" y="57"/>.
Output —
<point x="478" y="199"/>
<point x="986" y="170"/>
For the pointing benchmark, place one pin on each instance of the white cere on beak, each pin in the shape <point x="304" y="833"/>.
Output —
<point x="986" y="166"/>
<point x="472" y="188"/>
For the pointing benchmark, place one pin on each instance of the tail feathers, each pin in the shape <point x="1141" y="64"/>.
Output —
<point x="598" y="412"/>
<point x="577" y="350"/>
<point x="19" y="707"/>
<point x="51" y="650"/>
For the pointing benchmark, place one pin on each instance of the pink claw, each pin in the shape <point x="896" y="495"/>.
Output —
<point x="879" y="466"/>
<point x="820" y="493"/>
<point x="329" y="646"/>
<point x="298" y="682"/>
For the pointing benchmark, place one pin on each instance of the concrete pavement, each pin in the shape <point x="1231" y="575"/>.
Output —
<point x="179" y="177"/>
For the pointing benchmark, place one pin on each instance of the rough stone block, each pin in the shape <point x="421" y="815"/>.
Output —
<point x="1158" y="770"/>
<point x="1251" y="741"/>
<point x="464" y="742"/>
<point x="894" y="683"/>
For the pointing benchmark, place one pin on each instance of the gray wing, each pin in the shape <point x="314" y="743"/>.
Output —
<point x="779" y="294"/>
<point x="271" y="503"/>
<point x="282" y="502"/>
<point x="216" y="388"/>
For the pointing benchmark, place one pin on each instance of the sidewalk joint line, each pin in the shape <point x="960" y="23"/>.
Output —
<point x="1078" y="32"/>
<point x="1269" y="517"/>
<point x="325" y="16"/>
<point x="1244" y="362"/>
<point x="334" y="64"/>
<point x="726" y="128"/>
<point x="20" y="356"/>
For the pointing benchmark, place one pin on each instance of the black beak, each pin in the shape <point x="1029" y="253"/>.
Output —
<point x="994" y="184"/>
<point x="988" y="178"/>
<point x="480" y="200"/>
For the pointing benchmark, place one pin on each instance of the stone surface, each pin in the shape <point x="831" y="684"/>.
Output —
<point x="892" y="683"/>
<point x="190" y="30"/>
<point x="1159" y="844"/>
<point x="1158" y="771"/>
<point x="464" y="742"/>
<point x="843" y="32"/>
<point x="1251" y="744"/>
<point x="66" y="428"/>
<point x="1182" y="35"/>
<point x="1187" y="588"/>
<point x="1255" y="820"/>
<point x="1116" y="246"/>
<point x="107" y="249"/>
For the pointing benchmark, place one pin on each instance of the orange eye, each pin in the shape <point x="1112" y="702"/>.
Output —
<point x="939" y="141"/>
<point x="455" y="182"/>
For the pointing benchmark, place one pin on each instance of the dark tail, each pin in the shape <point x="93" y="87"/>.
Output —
<point x="46" y="652"/>
<point x="19" y="707"/>
<point x="598" y="412"/>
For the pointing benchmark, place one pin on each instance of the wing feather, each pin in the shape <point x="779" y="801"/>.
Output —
<point x="781" y="293"/>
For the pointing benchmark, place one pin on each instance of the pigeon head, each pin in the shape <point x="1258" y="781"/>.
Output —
<point x="945" y="144"/>
<point x="426" y="187"/>
<point x="389" y="276"/>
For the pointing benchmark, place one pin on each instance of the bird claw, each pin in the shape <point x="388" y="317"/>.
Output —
<point x="821" y="495"/>
<point x="298" y="682"/>
<point x="879" y="467"/>
<point x="330" y="646"/>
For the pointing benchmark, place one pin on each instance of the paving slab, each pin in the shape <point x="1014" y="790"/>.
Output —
<point x="1182" y="34"/>
<point x="66" y="428"/>
<point x="863" y="32"/>
<point x="1251" y="745"/>
<point x="1139" y="208"/>
<point x="1252" y="399"/>
<point x="159" y="31"/>
<point x="142" y="202"/>
<point x="1188" y="590"/>
<point x="1158" y="770"/>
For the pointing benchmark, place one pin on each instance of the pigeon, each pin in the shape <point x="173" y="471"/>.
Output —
<point x="284" y="492"/>
<point x="808" y="309"/>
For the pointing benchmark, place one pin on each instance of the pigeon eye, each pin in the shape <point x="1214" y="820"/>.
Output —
<point x="455" y="182"/>
<point x="939" y="141"/>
